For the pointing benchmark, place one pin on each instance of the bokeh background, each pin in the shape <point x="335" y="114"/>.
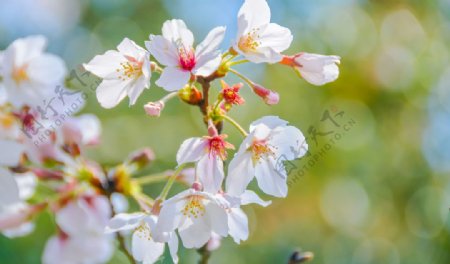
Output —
<point x="376" y="185"/>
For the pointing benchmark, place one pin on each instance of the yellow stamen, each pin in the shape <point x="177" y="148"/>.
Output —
<point x="194" y="207"/>
<point x="20" y="74"/>
<point x="249" y="42"/>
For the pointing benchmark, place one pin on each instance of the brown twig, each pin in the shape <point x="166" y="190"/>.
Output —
<point x="205" y="255"/>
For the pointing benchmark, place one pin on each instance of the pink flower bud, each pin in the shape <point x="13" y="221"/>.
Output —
<point x="197" y="186"/>
<point x="154" y="108"/>
<point x="270" y="97"/>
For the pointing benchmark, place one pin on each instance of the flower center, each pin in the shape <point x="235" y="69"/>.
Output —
<point x="261" y="149"/>
<point x="194" y="207"/>
<point x="186" y="58"/>
<point x="249" y="42"/>
<point x="217" y="146"/>
<point x="143" y="231"/>
<point x="19" y="74"/>
<point x="131" y="69"/>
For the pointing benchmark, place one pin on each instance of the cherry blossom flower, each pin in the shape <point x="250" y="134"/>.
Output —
<point x="230" y="95"/>
<point x="29" y="74"/>
<point x="174" y="49"/>
<point x="143" y="246"/>
<point x="14" y="212"/>
<point x="87" y="214"/>
<point x="270" y="142"/>
<point x="270" y="97"/>
<point x="195" y="214"/>
<point x="125" y="72"/>
<point x="314" y="68"/>
<point x="257" y="39"/>
<point x="208" y="152"/>
<point x="87" y="249"/>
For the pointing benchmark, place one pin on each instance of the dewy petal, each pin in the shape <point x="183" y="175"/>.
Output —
<point x="255" y="12"/>
<point x="318" y="69"/>
<point x="173" y="79"/>
<point x="240" y="173"/>
<point x="211" y="43"/>
<point x="111" y="92"/>
<point x="163" y="50"/>
<point x="290" y="143"/>
<point x="47" y="69"/>
<point x="105" y="65"/>
<point x="271" y="180"/>
<point x="145" y="249"/>
<point x="276" y="37"/>
<point x="9" y="191"/>
<point x="176" y="31"/>
<point x="269" y="121"/>
<point x="124" y="222"/>
<point x="238" y="225"/>
<point x="191" y="150"/>
<point x="249" y="197"/>
<point x="210" y="173"/>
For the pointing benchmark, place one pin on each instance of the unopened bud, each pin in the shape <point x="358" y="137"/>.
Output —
<point x="270" y="97"/>
<point x="190" y="95"/>
<point x="141" y="158"/>
<point x="197" y="186"/>
<point x="300" y="257"/>
<point x="154" y="108"/>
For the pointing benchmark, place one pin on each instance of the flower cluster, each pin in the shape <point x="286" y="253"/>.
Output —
<point x="88" y="200"/>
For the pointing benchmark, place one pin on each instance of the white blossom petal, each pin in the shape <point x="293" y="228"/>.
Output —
<point x="240" y="173"/>
<point x="211" y="42"/>
<point x="145" y="249"/>
<point x="173" y="79"/>
<point x="105" y="65"/>
<point x="163" y="50"/>
<point x="191" y="150"/>
<point x="124" y="221"/>
<point x="210" y="172"/>
<point x="255" y="12"/>
<point x="271" y="180"/>
<point x="238" y="224"/>
<point x="318" y="69"/>
<point x="176" y="31"/>
<point x="111" y="91"/>
<point x="249" y="197"/>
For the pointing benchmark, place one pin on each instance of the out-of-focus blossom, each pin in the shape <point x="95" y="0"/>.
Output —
<point x="29" y="74"/>
<point x="174" y="49"/>
<point x="88" y="249"/>
<point x="143" y="246"/>
<point x="14" y="212"/>
<point x="208" y="153"/>
<point x="257" y="39"/>
<point x="125" y="72"/>
<point x="262" y="153"/>
<point x="86" y="215"/>
<point x="314" y="68"/>
<point x="195" y="215"/>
